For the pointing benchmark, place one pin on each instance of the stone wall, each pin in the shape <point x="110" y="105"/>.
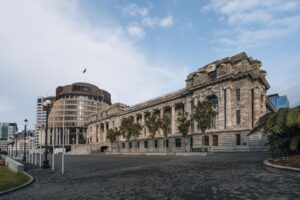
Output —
<point x="236" y="84"/>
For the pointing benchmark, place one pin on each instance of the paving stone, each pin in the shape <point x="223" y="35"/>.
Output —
<point x="220" y="176"/>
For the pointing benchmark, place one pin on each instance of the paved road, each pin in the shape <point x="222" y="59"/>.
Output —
<point x="220" y="176"/>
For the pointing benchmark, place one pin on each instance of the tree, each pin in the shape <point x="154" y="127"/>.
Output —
<point x="113" y="135"/>
<point x="282" y="129"/>
<point x="165" y="127"/>
<point x="130" y="129"/>
<point x="183" y="127"/>
<point x="153" y="124"/>
<point x="204" y="115"/>
<point x="136" y="131"/>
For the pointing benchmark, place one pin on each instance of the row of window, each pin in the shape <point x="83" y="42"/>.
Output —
<point x="215" y="142"/>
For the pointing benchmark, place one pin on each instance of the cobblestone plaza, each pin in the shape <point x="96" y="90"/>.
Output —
<point x="219" y="176"/>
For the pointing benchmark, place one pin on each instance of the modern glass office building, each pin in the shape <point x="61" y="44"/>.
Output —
<point x="279" y="101"/>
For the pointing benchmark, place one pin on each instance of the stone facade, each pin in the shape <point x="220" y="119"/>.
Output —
<point x="235" y="85"/>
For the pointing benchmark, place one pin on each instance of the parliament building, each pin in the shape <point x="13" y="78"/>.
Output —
<point x="236" y="86"/>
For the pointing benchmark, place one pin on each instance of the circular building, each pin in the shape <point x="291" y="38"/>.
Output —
<point x="72" y="108"/>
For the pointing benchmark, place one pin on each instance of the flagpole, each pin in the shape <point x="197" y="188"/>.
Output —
<point x="63" y="144"/>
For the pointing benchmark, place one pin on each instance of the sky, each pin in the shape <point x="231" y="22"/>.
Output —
<point x="138" y="50"/>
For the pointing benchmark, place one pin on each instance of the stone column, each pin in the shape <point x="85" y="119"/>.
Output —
<point x="77" y="134"/>
<point x="256" y="105"/>
<point x="143" y="123"/>
<point x="97" y="133"/>
<point x="263" y="104"/>
<point x="173" y="119"/>
<point x="228" y="108"/>
<point x="161" y="116"/>
<point x="104" y="132"/>
<point x="68" y="135"/>
<point x="195" y="124"/>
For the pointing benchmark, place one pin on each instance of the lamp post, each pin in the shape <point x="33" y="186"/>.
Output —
<point x="46" y="107"/>
<point x="24" y="140"/>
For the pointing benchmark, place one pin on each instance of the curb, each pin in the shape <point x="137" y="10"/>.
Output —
<point x="31" y="180"/>
<point x="162" y="154"/>
<point x="282" y="169"/>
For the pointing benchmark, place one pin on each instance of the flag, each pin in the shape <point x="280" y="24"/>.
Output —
<point x="84" y="71"/>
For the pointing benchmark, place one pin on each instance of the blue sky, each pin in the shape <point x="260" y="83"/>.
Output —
<point x="138" y="49"/>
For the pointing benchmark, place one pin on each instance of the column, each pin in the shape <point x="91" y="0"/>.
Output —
<point x="143" y="123"/>
<point x="97" y="133"/>
<point x="195" y="124"/>
<point x="256" y="105"/>
<point x="68" y="135"/>
<point x="173" y="119"/>
<point x="228" y="108"/>
<point x="104" y="132"/>
<point x="77" y="133"/>
<point x="161" y="116"/>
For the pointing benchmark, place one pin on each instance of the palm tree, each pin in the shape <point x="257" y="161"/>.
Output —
<point x="153" y="124"/>
<point x="183" y="127"/>
<point x="282" y="129"/>
<point x="165" y="127"/>
<point x="204" y="115"/>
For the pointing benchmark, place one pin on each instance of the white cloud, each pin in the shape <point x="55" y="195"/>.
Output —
<point x="47" y="44"/>
<point x="153" y="22"/>
<point x="134" y="10"/>
<point x="136" y="31"/>
<point x="167" y="21"/>
<point x="249" y="23"/>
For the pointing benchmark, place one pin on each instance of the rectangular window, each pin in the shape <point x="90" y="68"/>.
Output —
<point x="206" y="140"/>
<point x="146" y="144"/>
<point x="215" y="140"/>
<point x="138" y="145"/>
<point x="238" y="139"/>
<point x="130" y="145"/>
<point x="213" y="75"/>
<point x="238" y="117"/>
<point x="123" y="145"/>
<point x="167" y="143"/>
<point x="178" y="142"/>
<point x="238" y="94"/>
<point x="155" y="143"/>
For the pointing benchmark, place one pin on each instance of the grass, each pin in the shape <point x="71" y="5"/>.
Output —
<point x="10" y="179"/>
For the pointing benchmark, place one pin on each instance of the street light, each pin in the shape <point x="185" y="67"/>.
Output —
<point x="24" y="144"/>
<point x="46" y="107"/>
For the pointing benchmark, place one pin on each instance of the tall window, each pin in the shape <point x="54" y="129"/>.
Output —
<point x="213" y="99"/>
<point x="215" y="140"/>
<point x="238" y="117"/>
<point x="178" y="142"/>
<point x="167" y="143"/>
<point x="213" y="75"/>
<point x="146" y="144"/>
<point x="238" y="139"/>
<point x="238" y="94"/>
<point x="130" y="145"/>
<point x="155" y="143"/>
<point x="123" y="145"/>
<point x="206" y="140"/>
